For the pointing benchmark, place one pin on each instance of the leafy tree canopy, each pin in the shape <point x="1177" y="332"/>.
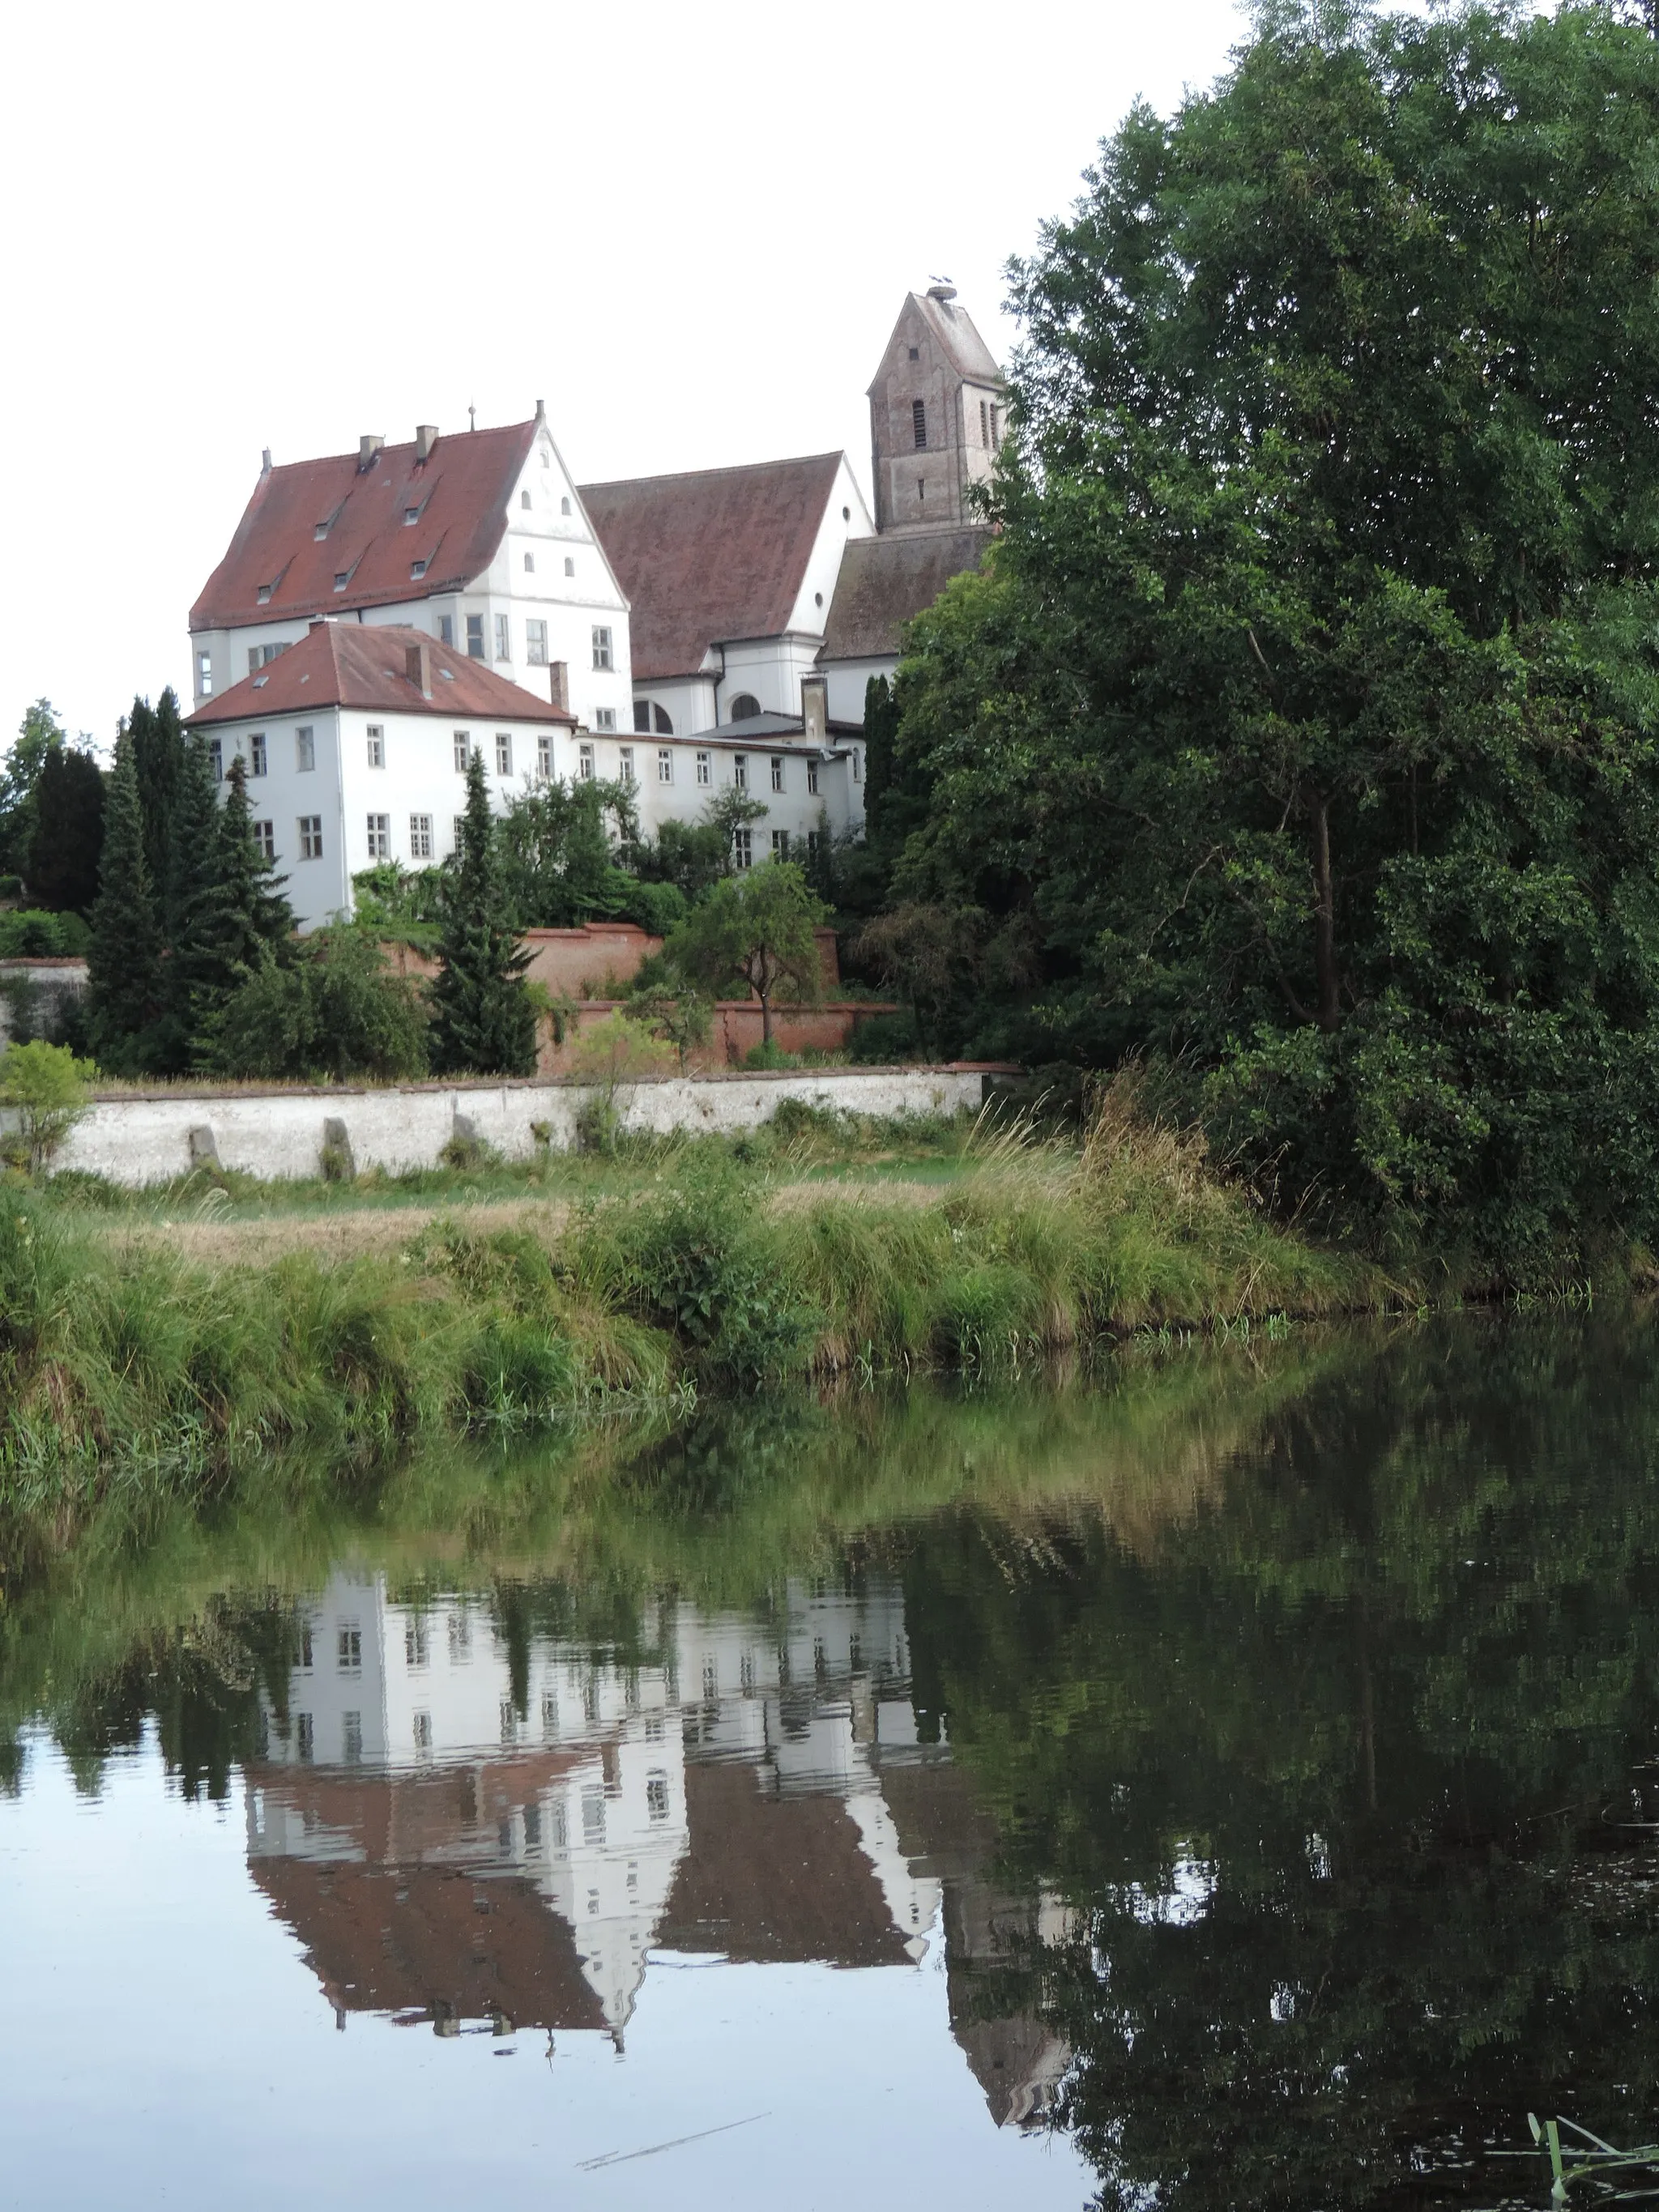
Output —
<point x="759" y="929"/>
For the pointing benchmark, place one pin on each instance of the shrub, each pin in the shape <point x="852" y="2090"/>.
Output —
<point x="769" y="1053"/>
<point x="46" y="1087"/>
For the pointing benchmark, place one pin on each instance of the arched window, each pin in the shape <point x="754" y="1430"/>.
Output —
<point x="662" y="719"/>
<point x="744" y="707"/>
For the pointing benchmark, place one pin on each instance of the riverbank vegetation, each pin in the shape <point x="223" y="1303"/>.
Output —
<point x="138" y="1347"/>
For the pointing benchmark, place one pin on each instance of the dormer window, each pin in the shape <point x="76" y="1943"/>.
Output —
<point x="417" y="570"/>
<point x="343" y="577"/>
<point x="327" y="523"/>
<point x="264" y="595"/>
<point x="260" y="682"/>
<point x="411" y="515"/>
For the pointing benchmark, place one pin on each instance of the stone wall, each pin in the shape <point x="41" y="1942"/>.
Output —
<point x="280" y="1134"/>
<point x="44" y="984"/>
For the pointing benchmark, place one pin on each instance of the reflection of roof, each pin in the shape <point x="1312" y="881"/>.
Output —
<point x="883" y="581"/>
<point x="432" y="1939"/>
<point x="711" y="556"/>
<point x="365" y="664"/>
<point x="774" y="1877"/>
<point x="309" y="522"/>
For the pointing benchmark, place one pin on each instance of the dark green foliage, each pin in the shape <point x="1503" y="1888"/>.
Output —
<point x="329" y="1008"/>
<point x="29" y="934"/>
<point x="158" y="744"/>
<point x="127" y="982"/>
<point x="484" y="1021"/>
<point x="237" y="926"/>
<point x="67" y="834"/>
<point x="1303" y="728"/>
<point x="40" y="734"/>
<point x="558" y="846"/>
<point x="758" y="929"/>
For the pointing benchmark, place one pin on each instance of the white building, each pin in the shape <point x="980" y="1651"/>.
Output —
<point x="479" y="539"/>
<point x="356" y="742"/>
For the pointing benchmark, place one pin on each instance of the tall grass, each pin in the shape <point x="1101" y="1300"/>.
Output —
<point x="124" y="1364"/>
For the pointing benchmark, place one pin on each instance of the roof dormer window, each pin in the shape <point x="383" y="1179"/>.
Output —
<point x="327" y="524"/>
<point x="264" y="595"/>
<point x="260" y="682"/>
<point x="342" y="578"/>
<point x="417" y="570"/>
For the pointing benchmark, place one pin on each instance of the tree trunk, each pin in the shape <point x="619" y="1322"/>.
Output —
<point x="766" y="1017"/>
<point x="1329" y="1007"/>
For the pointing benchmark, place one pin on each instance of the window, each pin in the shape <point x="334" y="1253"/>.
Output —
<point x="922" y="490"/>
<point x="642" y="714"/>
<point x="530" y="564"/>
<point x="564" y="506"/>
<point x="460" y="1639"/>
<point x="509" y="1723"/>
<point x="379" y="836"/>
<point x="996" y="424"/>
<point x="342" y="578"/>
<point x="261" y="656"/>
<point x="305" y="1729"/>
<point x="377" y="745"/>
<point x="858" y="766"/>
<point x="305" y="748"/>
<point x="550" y="1715"/>
<point x="447" y="630"/>
<point x="627" y="754"/>
<point x="544" y="756"/>
<point x="984" y="424"/>
<point x="503" y="643"/>
<point x="664" y="764"/>
<point x="463" y="747"/>
<point x="475" y="637"/>
<point x="310" y="837"/>
<point x="417" y="570"/>
<point x="601" y="646"/>
<point x="656" y="1796"/>
<point x="661" y="721"/>
<point x="814" y="844"/>
<point x="257" y="753"/>
<point x="743" y="847"/>
<point x="585" y="762"/>
<point x="535" y="644"/>
<point x="423" y="1734"/>
<point x="777" y="771"/>
<point x="919" y="422"/>
<point x="264" y="837"/>
<point x="592" y="1816"/>
<point x="415" y="1647"/>
<point x="458" y="823"/>
<point x="740" y="771"/>
<point x="780" y="844"/>
<point x="217" y="759"/>
<point x="350" y="1650"/>
<point x="745" y="707"/>
<point x="263" y="594"/>
<point x="203" y="675"/>
<point x="503" y="752"/>
<point x="705" y="767"/>
<point x="812" y="778"/>
<point x="351" y="1738"/>
<point x="523" y="496"/>
<point x="916" y="353"/>
<point x="420" y="837"/>
<point x="605" y="718"/>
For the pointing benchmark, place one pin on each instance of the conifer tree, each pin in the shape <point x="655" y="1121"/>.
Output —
<point x="125" y="963"/>
<point x="158" y="749"/>
<point x="484" y="1023"/>
<point x="62" y="866"/>
<point x="238" y="920"/>
<point x="190" y="902"/>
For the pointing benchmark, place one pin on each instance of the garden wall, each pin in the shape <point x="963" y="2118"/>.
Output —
<point x="151" y="1138"/>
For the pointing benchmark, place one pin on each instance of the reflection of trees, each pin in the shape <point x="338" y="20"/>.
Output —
<point x="1343" y="1779"/>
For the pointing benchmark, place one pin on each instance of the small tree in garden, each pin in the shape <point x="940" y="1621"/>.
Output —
<point x="484" y="1022"/>
<point x="758" y="928"/>
<point x="45" y="1086"/>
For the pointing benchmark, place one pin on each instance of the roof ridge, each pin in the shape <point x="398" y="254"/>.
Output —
<point x="403" y="446"/>
<point x="723" y="469"/>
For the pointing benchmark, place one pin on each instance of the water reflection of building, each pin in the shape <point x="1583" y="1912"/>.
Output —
<point x="459" y="1830"/>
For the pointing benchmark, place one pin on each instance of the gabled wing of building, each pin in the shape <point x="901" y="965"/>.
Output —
<point x="310" y="524"/>
<point x="371" y="666"/>
<point x="708" y="557"/>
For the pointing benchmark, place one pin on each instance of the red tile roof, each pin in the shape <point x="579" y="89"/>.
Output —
<point x="711" y="556"/>
<point x="461" y="490"/>
<point x="339" y="664"/>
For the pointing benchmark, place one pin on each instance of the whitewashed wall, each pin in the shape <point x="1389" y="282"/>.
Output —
<point x="279" y="1135"/>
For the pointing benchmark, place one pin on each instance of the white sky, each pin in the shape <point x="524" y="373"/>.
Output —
<point x="688" y="229"/>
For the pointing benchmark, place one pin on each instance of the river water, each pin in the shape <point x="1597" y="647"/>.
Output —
<point x="1227" y="1783"/>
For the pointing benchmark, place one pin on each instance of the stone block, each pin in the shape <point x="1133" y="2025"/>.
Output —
<point x="337" y="1163"/>
<point x="205" y="1147"/>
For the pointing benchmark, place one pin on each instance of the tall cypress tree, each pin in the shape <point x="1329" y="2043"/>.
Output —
<point x="484" y="1023"/>
<point x="158" y="747"/>
<point x="189" y="901"/>
<point x="124" y="964"/>
<point x="238" y="915"/>
<point x="62" y="869"/>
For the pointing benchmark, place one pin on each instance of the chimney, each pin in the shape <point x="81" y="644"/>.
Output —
<point x="264" y="462"/>
<point x="558" y="685"/>
<point x="417" y="667"/>
<point x="368" y="446"/>
<point x="815" y="709"/>
<point x="426" y="437"/>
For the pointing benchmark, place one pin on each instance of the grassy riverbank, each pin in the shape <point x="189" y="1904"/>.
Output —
<point x="157" y="1346"/>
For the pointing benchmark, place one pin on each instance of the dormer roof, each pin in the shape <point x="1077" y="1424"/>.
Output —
<point x="348" y="664"/>
<point x="310" y="524"/>
<point x="711" y="556"/>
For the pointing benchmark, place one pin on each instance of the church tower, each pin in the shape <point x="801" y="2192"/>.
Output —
<point x="937" y="410"/>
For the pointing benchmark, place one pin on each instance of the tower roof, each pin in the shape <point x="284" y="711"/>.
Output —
<point x="953" y="329"/>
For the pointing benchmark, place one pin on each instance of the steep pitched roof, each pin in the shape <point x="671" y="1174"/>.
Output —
<point x="366" y="664"/>
<point x="884" y="581"/>
<point x="953" y="327"/>
<point x="711" y="556"/>
<point x="460" y="491"/>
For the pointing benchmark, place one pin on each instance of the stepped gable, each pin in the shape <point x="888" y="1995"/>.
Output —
<point x="377" y="666"/>
<point x="359" y="504"/>
<point x="767" y="1878"/>
<point x="885" y="581"/>
<point x="710" y="557"/>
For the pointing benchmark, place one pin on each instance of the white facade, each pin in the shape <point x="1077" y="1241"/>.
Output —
<point x="549" y="570"/>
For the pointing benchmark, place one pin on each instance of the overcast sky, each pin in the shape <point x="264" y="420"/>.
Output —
<point x="687" y="228"/>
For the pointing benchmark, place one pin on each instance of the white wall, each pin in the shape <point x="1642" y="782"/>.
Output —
<point x="846" y="680"/>
<point x="279" y="1134"/>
